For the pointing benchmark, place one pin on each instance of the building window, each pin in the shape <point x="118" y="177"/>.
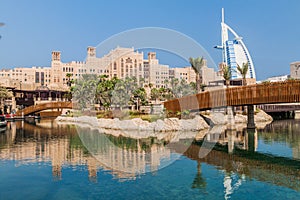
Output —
<point x="42" y="78"/>
<point x="37" y="77"/>
<point x="115" y="66"/>
<point x="128" y="60"/>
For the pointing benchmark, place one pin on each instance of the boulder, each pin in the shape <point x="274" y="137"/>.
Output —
<point x="195" y="124"/>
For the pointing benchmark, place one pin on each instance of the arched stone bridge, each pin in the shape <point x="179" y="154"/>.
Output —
<point x="265" y="93"/>
<point x="44" y="106"/>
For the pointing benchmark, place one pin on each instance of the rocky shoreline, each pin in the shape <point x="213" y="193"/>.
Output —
<point x="166" y="125"/>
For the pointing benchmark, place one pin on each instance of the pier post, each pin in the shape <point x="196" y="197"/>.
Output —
<point x="251" y="140"/>
<point x="297" y="114"/>
<point x="230" y="118"/>
<point x="13" y="103"/>
<point x="250" y="114"/>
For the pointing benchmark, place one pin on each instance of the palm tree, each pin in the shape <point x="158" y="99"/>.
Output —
<point x="150" y="85"/>
<point x="226" y="74"/>
<point x="197" y="64"/>
<point x="104" y="90"/>
<point x="155" y="94"/>
<point x="166" y="82"/>
<point x="243" y="71"/>
<point x="141" y="82"/>
<point x="4" y="94"/>
<point x="69" y="82"/>
<point x="83" y="92"/>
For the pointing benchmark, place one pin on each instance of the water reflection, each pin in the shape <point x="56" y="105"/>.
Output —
<point x="284" y="132"/>
<point x="48" y="142"/>
<point x="235" y="154"/>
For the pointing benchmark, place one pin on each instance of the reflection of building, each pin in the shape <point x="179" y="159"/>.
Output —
<point x="59" y="145"/>
<point x="235" y="51"/>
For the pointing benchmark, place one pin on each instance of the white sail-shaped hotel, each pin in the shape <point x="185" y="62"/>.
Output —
<point x="234" y="51"/>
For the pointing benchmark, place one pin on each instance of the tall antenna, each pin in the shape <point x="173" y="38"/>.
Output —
<point x="222" y="15"/>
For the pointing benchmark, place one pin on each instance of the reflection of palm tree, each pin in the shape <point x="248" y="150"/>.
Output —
<point x="199" y="181"/>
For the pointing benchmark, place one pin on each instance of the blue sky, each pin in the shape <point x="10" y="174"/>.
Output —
<point x="34" y="28"/>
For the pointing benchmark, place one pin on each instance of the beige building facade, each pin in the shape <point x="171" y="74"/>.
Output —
<point x="119" y="62"/>
<point x="295" y="70"/>
<point x="25" y="78"/>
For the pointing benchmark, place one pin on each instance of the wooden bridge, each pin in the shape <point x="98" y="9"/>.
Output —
<point x="270" y="108"/>
<point x="267" y="93"/>
<point x="44" y="106"/>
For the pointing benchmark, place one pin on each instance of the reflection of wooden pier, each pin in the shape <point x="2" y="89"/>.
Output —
<point x="273" y="169"/>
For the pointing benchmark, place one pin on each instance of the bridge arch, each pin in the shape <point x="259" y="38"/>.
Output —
<point x="44" y="106"/>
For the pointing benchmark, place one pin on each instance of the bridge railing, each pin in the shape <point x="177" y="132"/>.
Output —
<point x="44" y="106"/>
<point x="265" y="93"/>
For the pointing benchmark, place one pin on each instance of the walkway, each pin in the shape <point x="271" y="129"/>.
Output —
<point x="44" y="106"/>
<point x="267" y="93"/>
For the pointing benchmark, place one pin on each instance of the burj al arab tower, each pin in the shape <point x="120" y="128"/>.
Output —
<point x="235" y="51"/>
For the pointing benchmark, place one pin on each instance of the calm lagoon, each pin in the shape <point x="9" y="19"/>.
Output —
<point x="45" y="160"/>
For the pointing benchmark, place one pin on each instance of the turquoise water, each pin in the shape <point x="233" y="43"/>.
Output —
<point x="49" y="161"/>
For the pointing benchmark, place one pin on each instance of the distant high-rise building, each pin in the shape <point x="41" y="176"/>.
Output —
<point x="235" y="52"/>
